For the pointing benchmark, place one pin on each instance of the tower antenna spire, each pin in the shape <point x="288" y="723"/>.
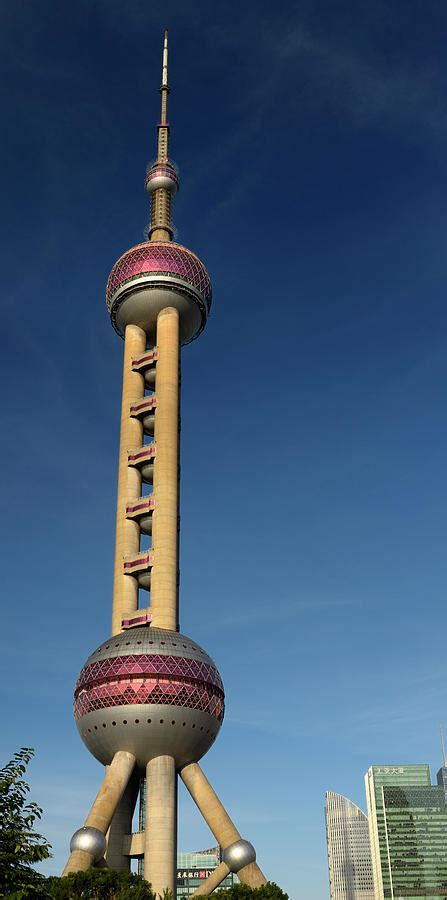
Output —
<point x="164" y="87"/>
<point x="444" y="759"/>
<point x="162" y="179"/>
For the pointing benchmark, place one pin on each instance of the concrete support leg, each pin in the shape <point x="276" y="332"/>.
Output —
<point x="121" y="825"/>
<point x="160" y="844"/>
<point x="125" y="587"/>
<point x="104" y="806"/>
<point x="212" y="882"/>
<point x="164" y="578"/>
<point x="218" y="819"/>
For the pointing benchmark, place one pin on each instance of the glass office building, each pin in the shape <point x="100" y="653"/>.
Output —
<point x="416" y="833"/>
<point x="348" y="850"/>
<point x="193" y="868"/>
<point x="408" y="831"/>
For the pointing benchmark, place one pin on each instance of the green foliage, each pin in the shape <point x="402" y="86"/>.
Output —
<point x="269" y="891"/>
<point x="20" y="846"/>
<point x="100" y="884"/>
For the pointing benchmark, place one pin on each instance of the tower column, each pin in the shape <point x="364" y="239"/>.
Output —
<point x="164" y="580"/>
<point x="160" y="842"/>
<point x="125" y="587"/>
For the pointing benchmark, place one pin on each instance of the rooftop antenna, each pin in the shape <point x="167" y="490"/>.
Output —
<point x="444" y="763"/>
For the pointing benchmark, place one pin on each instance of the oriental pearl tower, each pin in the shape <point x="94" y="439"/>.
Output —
<point x="149" y="702"/>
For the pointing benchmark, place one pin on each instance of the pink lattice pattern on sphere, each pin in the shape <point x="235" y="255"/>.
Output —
<point x="159" y="257"/>
<point x="149" y="678"/>
<point x="148" y="664"/>
<point x="134" y="690"/>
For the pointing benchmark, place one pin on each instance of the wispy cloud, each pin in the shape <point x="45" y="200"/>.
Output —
<point x="289" y="69"/>
<point x="288" y="610"/>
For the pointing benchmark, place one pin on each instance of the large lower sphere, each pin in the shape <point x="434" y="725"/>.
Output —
<point x="151" y="692"/>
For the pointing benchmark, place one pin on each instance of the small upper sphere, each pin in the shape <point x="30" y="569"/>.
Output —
<point x="162" y="175"/>
<point x="153" y="276"/>
<point x="151" y="692"/>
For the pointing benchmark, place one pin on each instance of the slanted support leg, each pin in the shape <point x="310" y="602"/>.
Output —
<point x="89" y="843"/>
<point x="121" y="825"/>
<point x="238" y="854"/>
<point x="213" y="881"/>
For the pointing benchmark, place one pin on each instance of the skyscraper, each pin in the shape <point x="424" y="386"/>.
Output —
<point x="441" y="778"/>
<point x="149" y="702"/>
<point x="442" y="773"/>
<point x="348" y="849"/>
<point x="408" y="828"/>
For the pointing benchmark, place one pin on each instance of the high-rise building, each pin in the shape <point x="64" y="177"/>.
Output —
<point x="441" y="778"/>
<point x="348" y="849"/>
<point x="149" y="702"/>
<point x="408" y="830"/>
<point x="442" y="773"/>
<point x="194" y="868"/>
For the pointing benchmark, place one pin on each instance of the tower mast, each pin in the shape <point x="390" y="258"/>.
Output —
<point x="162" y="178"/>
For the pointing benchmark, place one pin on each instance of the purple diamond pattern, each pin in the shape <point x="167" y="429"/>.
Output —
<point x="159" y="257"/>
<point x="149" y="679"/>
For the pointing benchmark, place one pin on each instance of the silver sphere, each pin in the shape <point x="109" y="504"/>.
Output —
<point x="238" y="855"/>
<point x="91" y="840"/>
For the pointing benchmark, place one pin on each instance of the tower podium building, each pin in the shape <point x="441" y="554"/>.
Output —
<point x="149" y="702"/>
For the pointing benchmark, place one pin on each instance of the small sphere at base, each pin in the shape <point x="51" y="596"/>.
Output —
<point x="239" y="854"/>
<point x="90" y="840"/>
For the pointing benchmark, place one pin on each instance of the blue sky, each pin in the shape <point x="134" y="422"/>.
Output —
<point x="311" y="140"/>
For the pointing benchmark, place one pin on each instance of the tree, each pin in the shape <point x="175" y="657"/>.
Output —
<point x="100" y="884"/>
<point x="20" y="846"/>
<point x="269" y="891"/>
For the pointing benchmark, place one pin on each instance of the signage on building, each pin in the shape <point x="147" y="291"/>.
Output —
<point x="194" y="873"/>
<point x="389" y="770"/>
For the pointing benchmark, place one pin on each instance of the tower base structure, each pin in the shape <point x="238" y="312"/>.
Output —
<point x="103" y="840"/>
<point x="157" y="694"/>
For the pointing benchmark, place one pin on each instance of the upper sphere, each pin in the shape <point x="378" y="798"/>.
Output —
<point x="162" y="175"/>
<point x="152" y="692"/>
<point x="153" y="276"/>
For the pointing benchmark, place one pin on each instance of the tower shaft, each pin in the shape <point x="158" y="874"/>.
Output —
<point x="165" y="495"/>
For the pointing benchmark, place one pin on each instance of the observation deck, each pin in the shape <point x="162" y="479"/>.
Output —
<point x="144" y="410"/>
<point x="143" y="458"/>
<point x="146" y="365"/>
<point x="141" y="511"/>
<point x="140" y="566"/>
